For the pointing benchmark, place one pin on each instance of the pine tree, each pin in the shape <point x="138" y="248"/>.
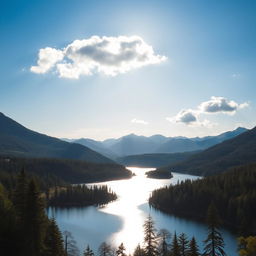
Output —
<point x="105" y="249"/>
<point x="53" y="240"/>
<point x="214" y="244"/>
<point x="120" y="250"/>
<point x="183" y="244"/>
<point x="193" y="248"/>
<point x="175" y="249"/>
<point x="88" y="251"/>
<point x="20" y="197"/>
<point x="70" y="245"/>
<point x="150" y="238"/>
<point x="35" y="221"/>
<point x="163" y="237"/>
<point x="139" y="251"/>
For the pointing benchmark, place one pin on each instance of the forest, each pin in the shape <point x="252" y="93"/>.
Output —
<point x="159" y="174"/>
<point x="52" y="172"/>
<point x="26" y="230"/>
<point x="233" y="193"/>
<point x="80" y="195"/>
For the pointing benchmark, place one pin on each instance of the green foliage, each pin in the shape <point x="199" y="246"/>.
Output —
<point x="25" y="229"/>
<point x="193" y="249"/>
<point x="53" y="240"/>
<point x="175" y="248"/>
<point x="81" y="195"/>
<point x="247" y="246"/>
<point x="121" y="250"/>
<point x="214" y="243"/>
<point x="88" y="251"/>
<point x="159" y="174"/>
<point x="150" y="238"/>
<point x="183" y="244"/>
<point x="51" y="172"/>
<point x="163" y="241"/>
<point x="139" y="251"/>
<point x="233" y="192"/>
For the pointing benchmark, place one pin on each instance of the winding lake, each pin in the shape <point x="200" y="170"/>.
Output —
<point x="122" y="220"/>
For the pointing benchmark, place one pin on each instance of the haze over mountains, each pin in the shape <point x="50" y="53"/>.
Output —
<point x="238" y="151"/>
<point x="136" y="145"/>
<point x="17" y="140"/>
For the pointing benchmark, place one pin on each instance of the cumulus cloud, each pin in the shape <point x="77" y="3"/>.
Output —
<point x="47" y="58"/>
<point x="107" y="55"/>
<point x="213" y="106"/>
<point x="186" y="116"/>
<point x="220" y="104"/>
<point x="138" y="121"/>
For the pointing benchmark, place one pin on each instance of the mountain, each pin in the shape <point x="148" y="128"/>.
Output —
<point x="54" y="171"/>
<point x="17" y="140"/>
<point x="216" y="159"/>
<point x="178" y="145"/>
<point x="136" y="145"/>
<point x="182" y="144"/>
<point x="154" y="160"/>
<point x="97" y="146"/>
<point x="133" y="145"/>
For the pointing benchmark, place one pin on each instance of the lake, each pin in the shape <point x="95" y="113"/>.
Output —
<point x="122" y="220"/>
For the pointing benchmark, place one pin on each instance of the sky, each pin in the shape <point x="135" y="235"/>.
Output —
<point x="102" y="69"/>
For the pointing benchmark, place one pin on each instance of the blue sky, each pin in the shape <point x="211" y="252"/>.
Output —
<point x="210" y="50"/>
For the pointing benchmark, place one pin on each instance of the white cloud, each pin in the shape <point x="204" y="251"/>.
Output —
<point x="107" y="55"/>
<point x="47" y="58"/>
<point x="186" y="116"/>
<point x="189" y="117"/>
<point x="215" y="105"/>
<point x="220" y="105"/>
<point x="138" y="121"/>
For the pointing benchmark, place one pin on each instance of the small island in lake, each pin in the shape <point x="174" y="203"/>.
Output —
<point x="159" y="174"/>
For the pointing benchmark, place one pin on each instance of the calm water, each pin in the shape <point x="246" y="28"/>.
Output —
<point x="122" y="220"/>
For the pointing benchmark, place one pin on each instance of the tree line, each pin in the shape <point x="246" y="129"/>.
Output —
<point x="233" y="192"/>
<point x="80" y="195"/>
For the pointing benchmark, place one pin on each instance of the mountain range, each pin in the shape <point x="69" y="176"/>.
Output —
<point x="136" y="145"/>
<point x="237" y="151"/>
<point x="17" y="140"/>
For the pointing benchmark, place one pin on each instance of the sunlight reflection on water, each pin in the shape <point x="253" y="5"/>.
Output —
<point x="131" y="195"/>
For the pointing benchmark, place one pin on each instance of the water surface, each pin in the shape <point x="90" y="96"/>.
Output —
<point x="122" y="220"/>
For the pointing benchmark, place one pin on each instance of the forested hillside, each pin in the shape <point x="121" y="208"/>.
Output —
<point x="233" y="192"/>
<point x="154" y="160"/>
<point x="234" y="152"/>
<point x="17" y="140"/>
<point x="52" y="171"/>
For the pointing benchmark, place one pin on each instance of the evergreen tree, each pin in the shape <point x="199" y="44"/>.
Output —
<point x="88" y="251"/>
<point x="163" y="237"/>
<point x="193" y="248"/>
<point x="35" y="221"/>
<point x="70" y="244"/>
<point x="105" y="249"/>
<point x="150" y="238"/>
<point x="183" y="244"/>
<point x="139" y="251"/>
<point x="175" y="249"/>
<point x="214" y="244"/>
<point x="53" y="240"/>
<point x="120" y="250"/>
<point x="20" y="197"/>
